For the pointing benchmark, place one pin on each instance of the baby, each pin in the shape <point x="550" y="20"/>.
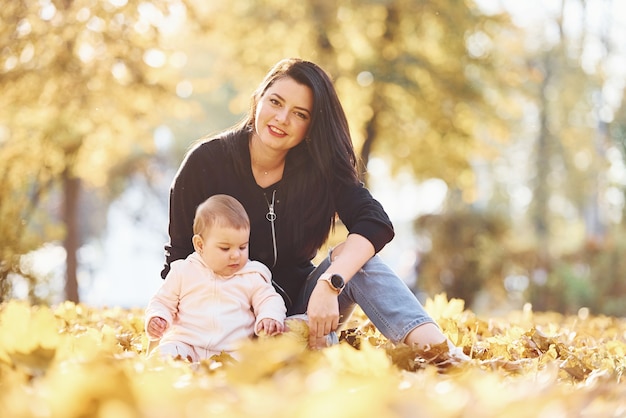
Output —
<point x="216" y="297"/>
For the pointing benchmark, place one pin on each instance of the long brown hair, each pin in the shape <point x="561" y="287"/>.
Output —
<point x="317" y="165"/>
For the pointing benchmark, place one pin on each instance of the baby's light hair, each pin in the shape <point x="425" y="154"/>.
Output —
<point x="220" y="209"/>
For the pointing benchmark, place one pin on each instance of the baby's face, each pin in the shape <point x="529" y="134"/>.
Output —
<point x="224" y="249"/>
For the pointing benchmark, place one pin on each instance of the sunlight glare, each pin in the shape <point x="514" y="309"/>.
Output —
<point x="96" y="24"/>
<point x="86" y="52"/>
<point x="184" y="89"/>
<point x="118" y="3"/>
<point x="520" y="195"/>
<point x="10" y="63"/>
<point x="47" y="12"/>
<point x="150" y="13"/>
<point x="120" y="72"/>
<point x="83" y="14"/>
<point x="27" y="53"/>
<point x="365" y="78"/>
<point x="23" y="28"/>
<point x="155" y="58"/>
<point x="163" y="138"/>
<point x="582" y="160"/>
<point x="402" y="196"/>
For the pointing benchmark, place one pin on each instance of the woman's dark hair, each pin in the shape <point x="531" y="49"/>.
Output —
<point x="325" y="157"/>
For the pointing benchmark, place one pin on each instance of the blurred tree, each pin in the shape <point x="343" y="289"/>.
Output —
<point x="563" y="149"/>
<point x="617" y="133"/>
<point x="569" y="154"/>
<point x="82" y="83"/>
<point x="570" y="158"/>
<point x="410" y="73"/>
<point x="466" y="254"/>
<point x="425" y="84"/>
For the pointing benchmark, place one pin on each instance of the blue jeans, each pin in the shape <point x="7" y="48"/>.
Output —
<point x="382" y="295"/>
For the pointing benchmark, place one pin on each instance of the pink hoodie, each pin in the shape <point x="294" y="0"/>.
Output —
<point x="214" y="312"/>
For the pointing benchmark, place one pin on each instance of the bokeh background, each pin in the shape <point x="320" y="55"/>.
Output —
<point x="493" y="132"/>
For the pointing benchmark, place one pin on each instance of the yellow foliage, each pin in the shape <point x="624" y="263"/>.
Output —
<point x="28" y="336"/>
<point x="440" y="307"/>
<point x="76" y="361"/>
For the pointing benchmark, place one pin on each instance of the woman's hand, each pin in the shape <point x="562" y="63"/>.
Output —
<point x="323" y="313"/>
<point x="323" y="309"/>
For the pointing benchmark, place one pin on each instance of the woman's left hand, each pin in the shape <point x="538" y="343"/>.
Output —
<point x="323" y="310"/>
<point x="323" y="313"/>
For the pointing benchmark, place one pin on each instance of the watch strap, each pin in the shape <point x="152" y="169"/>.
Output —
<point x="327" y="277"/>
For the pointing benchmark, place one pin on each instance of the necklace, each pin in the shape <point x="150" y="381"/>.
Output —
<point x="275" y="163"/>
<point x="261" y="169"/>
<point x="264" y="171"/>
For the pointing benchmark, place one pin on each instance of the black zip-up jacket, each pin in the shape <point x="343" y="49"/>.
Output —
<point x="208" y="169"/>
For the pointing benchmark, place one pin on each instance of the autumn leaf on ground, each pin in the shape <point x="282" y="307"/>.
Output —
<point x="440" y="307"/>
<point x="261" y="358"/>
<point x="560" y="365"/>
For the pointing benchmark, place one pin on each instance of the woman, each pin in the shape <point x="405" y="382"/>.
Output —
<point x="291" y="163"/>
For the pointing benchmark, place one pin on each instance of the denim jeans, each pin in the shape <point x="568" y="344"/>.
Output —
<point x="382" y="295"/>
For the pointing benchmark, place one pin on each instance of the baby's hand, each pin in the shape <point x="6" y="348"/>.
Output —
<point x="156" y="327"/>
<point x="270" y="326"/>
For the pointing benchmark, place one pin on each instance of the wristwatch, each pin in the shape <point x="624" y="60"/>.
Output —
<point x="335" y="281"/>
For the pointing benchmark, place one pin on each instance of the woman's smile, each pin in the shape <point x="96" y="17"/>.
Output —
<point x="276" y="131"/>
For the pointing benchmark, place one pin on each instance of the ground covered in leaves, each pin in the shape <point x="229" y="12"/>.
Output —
<point x="76" y="361"/>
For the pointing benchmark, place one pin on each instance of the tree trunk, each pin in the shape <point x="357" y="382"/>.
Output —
<point x="366" y="149"/>
<point x="541" y="193"/>
<point x="71" y="192"/>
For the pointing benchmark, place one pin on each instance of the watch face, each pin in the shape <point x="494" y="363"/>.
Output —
<point x="337" y="281"/>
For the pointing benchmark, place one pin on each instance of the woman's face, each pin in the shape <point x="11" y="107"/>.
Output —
<point x="283" y="114"/>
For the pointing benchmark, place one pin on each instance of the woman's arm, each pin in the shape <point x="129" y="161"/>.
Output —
<point x="369" y="230"/>
<point x="348" y="257"/>
<point x="363" y="215"/>
<point x="323" y="309"/>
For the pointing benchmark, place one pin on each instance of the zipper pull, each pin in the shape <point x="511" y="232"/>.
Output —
<point x="271" y="216"/>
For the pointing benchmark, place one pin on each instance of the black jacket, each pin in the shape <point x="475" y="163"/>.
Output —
<point x="208" y="169"/>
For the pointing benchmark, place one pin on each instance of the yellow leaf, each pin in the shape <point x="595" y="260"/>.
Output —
<point x="441" y="307"/>
<point x="368" y="362"/>
<point x="261" y="358"/>
<point x="25" y="330"/>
